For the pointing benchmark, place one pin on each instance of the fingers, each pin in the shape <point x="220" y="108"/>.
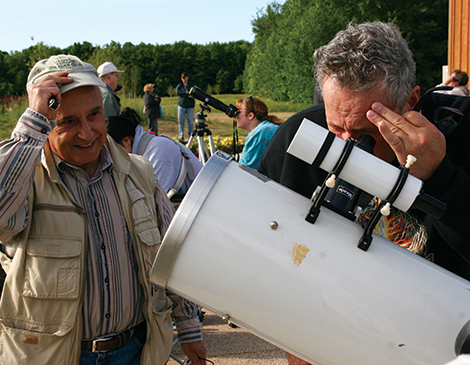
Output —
<point x="196" y="360"/>
<point x="195" y="351"/>
<point x="43" y="90"/>
<point x="391" y="126"/>
<point x="394" y="120"/>
<point x="410" y="134"/>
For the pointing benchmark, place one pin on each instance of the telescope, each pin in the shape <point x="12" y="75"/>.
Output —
<point x="304" y="287"/>
<point x="241" y="246"/>
<point x="197" y="93"/>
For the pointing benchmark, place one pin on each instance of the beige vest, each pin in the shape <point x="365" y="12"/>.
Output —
<point x="40" y="308"/>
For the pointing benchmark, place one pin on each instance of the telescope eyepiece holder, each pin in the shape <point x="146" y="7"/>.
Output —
<point x="330" y="179"/>
<point x="423" y="201"/>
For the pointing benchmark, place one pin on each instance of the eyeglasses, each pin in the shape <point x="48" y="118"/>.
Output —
<point x="250" y="98"/>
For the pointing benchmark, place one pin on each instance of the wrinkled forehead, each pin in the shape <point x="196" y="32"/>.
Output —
<point x="80" y="101"/>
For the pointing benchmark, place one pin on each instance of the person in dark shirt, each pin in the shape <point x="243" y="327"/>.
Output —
<point x="367" y="78"/>
<point x="152" y="108"/>
<point x="185" y="105"/>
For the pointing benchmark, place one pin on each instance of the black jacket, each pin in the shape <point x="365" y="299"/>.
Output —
<point x="152" y="103"/>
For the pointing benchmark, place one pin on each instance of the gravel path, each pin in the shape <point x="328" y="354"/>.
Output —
<point x="234" y="346"/>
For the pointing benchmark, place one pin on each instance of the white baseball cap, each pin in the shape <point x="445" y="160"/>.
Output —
<point x="83" y="73"/>
<point x="107" y="68"/>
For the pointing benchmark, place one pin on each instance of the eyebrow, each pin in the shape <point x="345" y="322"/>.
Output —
<point x="370" y="132"/>
<point x="71" y="117"/>
<point x="363" y="130"/>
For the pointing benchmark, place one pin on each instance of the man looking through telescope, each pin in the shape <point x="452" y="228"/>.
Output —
<point x="367" y="77"/>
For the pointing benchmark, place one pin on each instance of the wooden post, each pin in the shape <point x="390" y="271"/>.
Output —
<point x="459" y="35"/>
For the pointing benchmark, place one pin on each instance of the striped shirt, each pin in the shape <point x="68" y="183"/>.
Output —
<point x="113" y="296"/>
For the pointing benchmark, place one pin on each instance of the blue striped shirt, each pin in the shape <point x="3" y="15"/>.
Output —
<point x="113" y="296"/>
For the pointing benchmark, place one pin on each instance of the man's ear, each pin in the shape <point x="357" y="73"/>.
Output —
<point x="126" y="143"/>
<point x="412" y="99"/>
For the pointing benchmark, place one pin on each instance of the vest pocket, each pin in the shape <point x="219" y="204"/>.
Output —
<point x="162" y="336"/>
<point x="145" y="227"/>
<point x="22" y="346"/>
<point x="52" y="267"/>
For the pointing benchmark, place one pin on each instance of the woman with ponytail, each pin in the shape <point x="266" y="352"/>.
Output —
<point x="253" y="117"/>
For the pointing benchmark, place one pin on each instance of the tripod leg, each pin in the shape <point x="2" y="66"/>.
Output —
<point x="206" y="152"/>
<point x="201" y="147"/>
<point x="211" y="144"/>
<point x="190" y="141"/>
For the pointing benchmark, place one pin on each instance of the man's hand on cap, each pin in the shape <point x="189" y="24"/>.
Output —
<point x="43" y="90"/>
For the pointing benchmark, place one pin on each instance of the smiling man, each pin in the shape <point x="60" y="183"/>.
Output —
<point x="80" y="224"/>
<point x="80" y="132"/>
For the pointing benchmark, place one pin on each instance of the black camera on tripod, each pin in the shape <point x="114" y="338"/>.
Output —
<point x="197" y="93"/>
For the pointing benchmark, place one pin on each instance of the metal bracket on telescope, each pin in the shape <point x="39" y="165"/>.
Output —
<point x="329" y="182"/>
<point x="384" y="206"/>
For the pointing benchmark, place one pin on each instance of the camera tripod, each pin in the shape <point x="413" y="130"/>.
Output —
<point x="199" y="131"/>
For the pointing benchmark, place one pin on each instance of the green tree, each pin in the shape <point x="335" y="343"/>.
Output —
<point x="84" y="50"/>
<point x="280" y="64"/>
<point x="213" y="64"/>
<point x="13" y="78"/>
<point x="6" y="81"/>
<point x="108" y="53"/>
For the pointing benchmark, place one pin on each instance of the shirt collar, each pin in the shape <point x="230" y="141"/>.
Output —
<point x="105" y="162"/>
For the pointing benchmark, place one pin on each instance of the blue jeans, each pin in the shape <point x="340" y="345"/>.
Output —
<point x="182" y="112"/>
<point x="127" y="354"/>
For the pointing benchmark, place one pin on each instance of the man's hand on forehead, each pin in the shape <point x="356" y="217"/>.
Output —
<point x="410" y="134"/>
<point x="43" y="90"/>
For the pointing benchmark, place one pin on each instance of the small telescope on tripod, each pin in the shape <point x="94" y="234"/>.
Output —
<point x="198" y="94"/>
<point x="201" y="126"/>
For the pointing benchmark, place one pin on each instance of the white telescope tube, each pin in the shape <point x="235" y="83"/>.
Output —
<point x="362" y="169"/>
<point x="240" y="247"/>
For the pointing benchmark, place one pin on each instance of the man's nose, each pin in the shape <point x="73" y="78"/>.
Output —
<point x="86" y="131"/>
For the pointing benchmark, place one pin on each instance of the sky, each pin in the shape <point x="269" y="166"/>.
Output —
<point x="25" y="23"/>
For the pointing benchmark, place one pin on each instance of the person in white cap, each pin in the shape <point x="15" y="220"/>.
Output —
<point x="81" y="222"/>
<point x="109" y="74"/>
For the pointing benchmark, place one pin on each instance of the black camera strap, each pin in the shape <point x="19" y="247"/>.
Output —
<point x="343" y="158"/>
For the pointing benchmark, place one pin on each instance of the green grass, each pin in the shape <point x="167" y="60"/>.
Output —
<point x="170" y="109"/>
<point x="11" y="111"/>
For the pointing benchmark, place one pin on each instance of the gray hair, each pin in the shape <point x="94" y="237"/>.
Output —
<point x="364" y="55"/>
